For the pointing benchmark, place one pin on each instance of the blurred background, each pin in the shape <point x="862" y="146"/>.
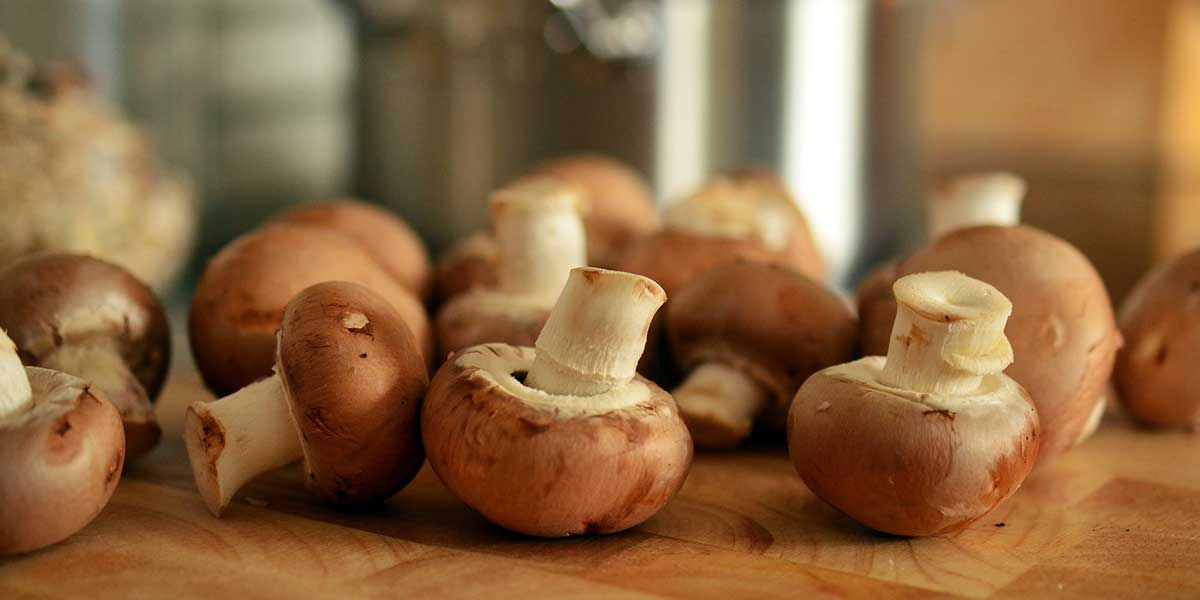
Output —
<point x="424" y="106"/>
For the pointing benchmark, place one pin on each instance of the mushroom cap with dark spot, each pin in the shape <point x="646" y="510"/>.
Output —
<point x="1157" y="372"/>
<point x="355" y="379"/>
<point x="239" y="301"/>
<point x="62" y="460"/>
<point x="542" y="471"/>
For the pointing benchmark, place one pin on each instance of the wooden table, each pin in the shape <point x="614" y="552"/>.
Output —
<point x="1118" y="517"/>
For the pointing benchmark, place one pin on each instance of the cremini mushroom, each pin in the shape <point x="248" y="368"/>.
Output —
<point x="932" y="437"/>
<point x="96" y="321"/>
<point x="240" y="299"/>
<point x="541" y="238"/>
<point x="990" y="198"/>
<point x="385" y="236"/>
<point x="345" y="397"/>
<point x="62" y="448"/>
<point x="565" y="439"/>
<point x="748" y="334"/>
<point x="469" y="264"/>
<point x="1156" y="372"/>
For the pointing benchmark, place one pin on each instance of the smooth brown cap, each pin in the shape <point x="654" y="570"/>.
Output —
<point x="51" y="300"/>
<point x="532" y="469"/>
<point x="674" y="259"/>
<point x="775" y="325"/>
<point x="620" y="202"/>
<point x="1062" y="329"/>
<point x="355" y="378"/>
<point x="381" y="233"/>
<point x="484" y="316"/>
<point x="1156" y="372"/>
<point x="239" y="301"/>
<point x="62" y="461"/>
<point x="876" y="310"/>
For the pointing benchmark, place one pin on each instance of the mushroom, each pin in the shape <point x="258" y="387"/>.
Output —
<point x="387" y="238"/>
<point x="469" y="264"/>
<point x="240" y="299"/>
<point x="991" y="198"/>
<point x="345" y="396"/>
<point x="749" y="334"/>
<point x="751" y="204"/>
<point x="1156" y="373"/>
<point x="540" y="239"/>
<point x="565" y="439"/>
<point x="932" y="437"/>
<point x="62" y="449"/>
<point x="1062" y="327"/>
<point x="96" y="321"/>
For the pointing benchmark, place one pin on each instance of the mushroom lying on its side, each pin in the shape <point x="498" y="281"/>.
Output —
<point x="565" y="439"/>
<point x="62" y="448"/>
<point x="96" y="321"/>
<point x="934" y="436"/>
<point x="1157" y="373"/>
<point x="345" y="396"/>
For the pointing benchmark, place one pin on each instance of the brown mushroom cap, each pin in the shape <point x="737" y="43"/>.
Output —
<point x="620" y="202"/>
<point x="62" y="460"/>
<point x="901" y="463"/>
<point x="775" y="325"/>
<point x="382" y="234"/>
<point x="240" y="299"/>
<point x="1156" y="372"/>
<point x="470" y="263"/>
<point x="483" y="316"/>
<point x="549" y="465"/>
<point x="49" y="301"/>
<point x="355" y="378"/>
<point x="1062" y="328"/>
<point x="876" y="310"/>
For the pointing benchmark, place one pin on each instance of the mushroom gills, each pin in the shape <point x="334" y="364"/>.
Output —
<point x="719" y="404"/>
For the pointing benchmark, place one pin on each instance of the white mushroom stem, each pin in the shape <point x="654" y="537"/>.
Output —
<point x="596" y="332"/>
<point x="235" y="439"/>
<point x="540" y="238"/>
<point x="978" y="199"/>
<point x="720" y="402"/>
<point x="16" y="395"/>
<point x="98" y="361"/>
<point x="948" y="334"/>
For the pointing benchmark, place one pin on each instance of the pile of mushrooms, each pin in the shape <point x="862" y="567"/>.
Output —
<point x="63" y="449"/>
<point x="566" y="438"/>
<point x="344" y="396"/>
<point x="931" y="438"/>
<point x="540" y="238"/>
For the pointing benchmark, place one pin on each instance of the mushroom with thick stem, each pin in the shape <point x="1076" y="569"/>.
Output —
<point x="386" y="237"/>
<point x="345" y="397"/>
<point x="992" y="198"/>
<point x="240" y="298"/>
<point x="932" y="437"/>
<point x="540" y="237"/>
<point x="1156" y="372"/>
<point x="565" y="439"/>
<point x="749" y="334"/>
<point x="62" y="447"/>
<point x="96" y="321"/>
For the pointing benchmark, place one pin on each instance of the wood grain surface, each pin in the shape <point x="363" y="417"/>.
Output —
<point x="1118" y="517"/>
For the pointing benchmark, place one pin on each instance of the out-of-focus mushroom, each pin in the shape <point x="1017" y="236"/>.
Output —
<point x="345" y="396"/>
<point x="94" y="320"/>
<point x="931" y="438"/>
<point x="1156" y="373"/>
<point x="469" y="264"/>
<point x="748" y="335"/>
<point x="240" y="298"/>
<point x="62" y="450"/>
<point x="540" y="238"/>
<point x="382" y="234"/>
<point x="567" y="439"/>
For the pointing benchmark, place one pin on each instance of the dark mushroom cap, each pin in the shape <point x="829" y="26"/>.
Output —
<point x="240" y="299"/>
<point x="1062" y="329"/>
<point x="876" y="310"/>
<point x="546" y="465"/>
<point x="385" y="236"/>
<point x="1157" y="372"/>
<point x="355" y="378"/>
<point x="62" y="461"/>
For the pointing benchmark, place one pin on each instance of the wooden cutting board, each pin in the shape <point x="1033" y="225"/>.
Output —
<point x="1118" y="517"/>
